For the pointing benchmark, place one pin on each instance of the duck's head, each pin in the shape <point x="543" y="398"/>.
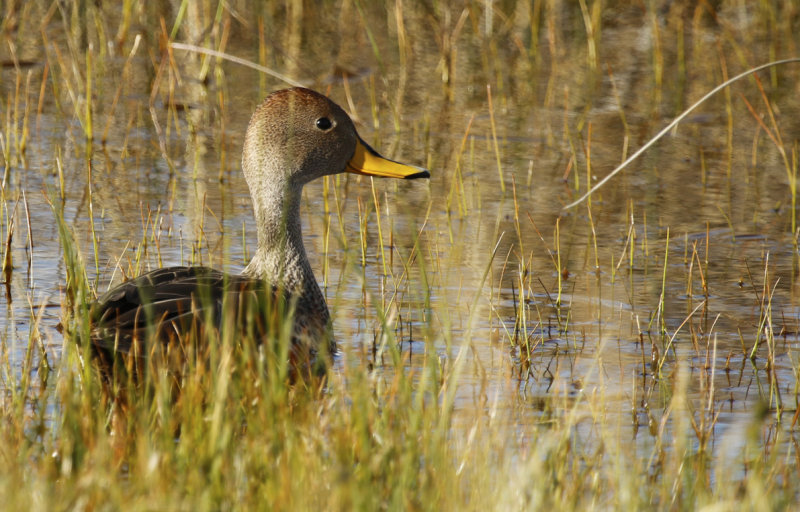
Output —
<point x="297" y="135"/>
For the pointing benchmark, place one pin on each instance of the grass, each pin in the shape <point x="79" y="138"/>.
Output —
<point x="497" y="353"/>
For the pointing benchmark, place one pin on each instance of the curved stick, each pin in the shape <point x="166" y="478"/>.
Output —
<point x="674" y="123"/>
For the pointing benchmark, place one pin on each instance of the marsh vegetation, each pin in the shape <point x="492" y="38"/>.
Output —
<point x="637" y="351"/>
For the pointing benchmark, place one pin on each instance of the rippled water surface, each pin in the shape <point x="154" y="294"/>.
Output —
<point x="683" y="267"/>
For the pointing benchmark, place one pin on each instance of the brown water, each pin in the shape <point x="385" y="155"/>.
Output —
<point x="715" y="192"/>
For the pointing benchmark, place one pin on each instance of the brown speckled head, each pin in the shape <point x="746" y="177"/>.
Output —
<point x="297" y="135"/>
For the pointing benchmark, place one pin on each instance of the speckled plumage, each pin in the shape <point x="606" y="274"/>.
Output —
<point x="294" y="136"/>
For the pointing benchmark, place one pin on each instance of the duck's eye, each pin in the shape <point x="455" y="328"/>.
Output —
<point x="323" y="123"/>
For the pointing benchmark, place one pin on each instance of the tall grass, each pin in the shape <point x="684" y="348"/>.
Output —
<point x="383" y="438"/>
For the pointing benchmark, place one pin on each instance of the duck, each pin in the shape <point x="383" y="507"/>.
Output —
<point x="294" y="137"/>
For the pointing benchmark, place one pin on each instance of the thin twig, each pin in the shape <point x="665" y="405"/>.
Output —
<point x="237" y="60"/>
<point x="674" y="123"/>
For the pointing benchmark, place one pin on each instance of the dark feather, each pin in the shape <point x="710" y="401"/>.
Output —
<point x="168" y="304"/>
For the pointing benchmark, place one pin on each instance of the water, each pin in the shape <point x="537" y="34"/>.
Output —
<point x="706" y="213"/>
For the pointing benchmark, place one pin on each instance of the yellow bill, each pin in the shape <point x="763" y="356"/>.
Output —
<point x="367" y="161"/>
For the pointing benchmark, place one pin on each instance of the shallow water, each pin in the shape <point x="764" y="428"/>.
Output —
<point x="705" y="215"/>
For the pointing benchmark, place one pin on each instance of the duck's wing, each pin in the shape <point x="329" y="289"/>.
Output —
<point x="164" y="304"/>
<point x="177" y="304"/>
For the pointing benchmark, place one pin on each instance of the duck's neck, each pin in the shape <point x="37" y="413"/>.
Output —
<point x="280" y="256"/>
